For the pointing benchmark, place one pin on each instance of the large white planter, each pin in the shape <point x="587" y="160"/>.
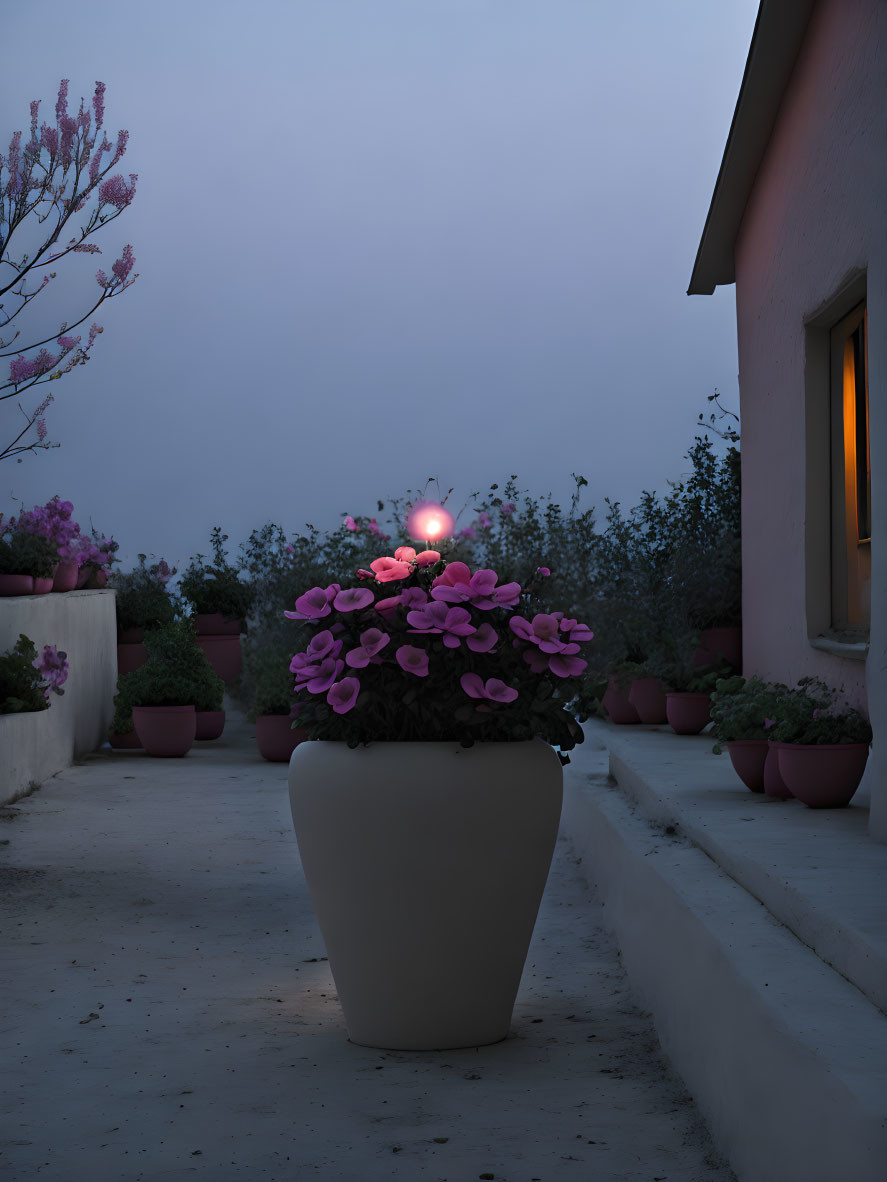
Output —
<point x="426" y="863"/>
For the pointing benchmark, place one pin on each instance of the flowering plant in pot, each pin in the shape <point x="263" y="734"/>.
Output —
<point x="96" y="555"/>
<point x="688" y="691"/>
<point x="24" y="558"/>
<point x="821" y="747"/>
<point x="160" y="699"/>
<point x="741" y="714"/>
<point x="27" y="679"/>
<point x="426" y="802"/>
<point x="54" y="521"/>
<point x="216" y="591"/>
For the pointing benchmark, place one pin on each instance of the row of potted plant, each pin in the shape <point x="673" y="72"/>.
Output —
<point x="27" y="679"/>
<point x="791" y="742"/>
<point x="43" y="549"/>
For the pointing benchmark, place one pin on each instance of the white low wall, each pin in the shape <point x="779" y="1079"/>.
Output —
<point x="36" y="745"/>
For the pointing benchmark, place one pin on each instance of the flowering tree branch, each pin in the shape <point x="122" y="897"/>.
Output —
<point x="49" y="180"/>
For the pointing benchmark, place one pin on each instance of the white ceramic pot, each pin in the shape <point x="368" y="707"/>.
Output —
<point x="426" y="863"/>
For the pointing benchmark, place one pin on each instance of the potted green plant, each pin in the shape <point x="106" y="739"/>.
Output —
<point x="273" y="704"/>
<point x="142" y="602"/>
<point x="741" y="715"/>
<point x="221" y="602"/>
<point x="27" y="680"/>
<point x="688" y="693"/>
<point x="27" y="563"/>
<point x="426" y="801"/>
<point x="821" y="748"/>
<point x="162" y="695"/>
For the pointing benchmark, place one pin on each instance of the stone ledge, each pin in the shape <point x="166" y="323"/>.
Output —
<point x="786" y="1059"/>
<point x="37" y="745"/>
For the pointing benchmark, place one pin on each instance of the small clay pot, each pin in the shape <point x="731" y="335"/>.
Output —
<point x="66" y="575"/>
<point x="224" y="654"/>
<point x="822" y="775"/>
<point x="16" y="584"/>
<point x="210" y="724"/>
<point x="616" y="703"/>
<point x="42" y="586"/>
<point x="648" y="698"/>
<point x="275" y="737"/>
<point x="127" y="742"/>
<point x="165" y="731"/>
<point x="748" y="757"/>
<point x="688" y="714"/>
<point x="215" y="624"/>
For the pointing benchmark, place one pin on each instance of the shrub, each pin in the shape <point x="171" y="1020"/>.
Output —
<point x="27" y="680"/>
<point x="176" y="673"/>
<point x="142" y="600"/>
<point x="217" y="587"/>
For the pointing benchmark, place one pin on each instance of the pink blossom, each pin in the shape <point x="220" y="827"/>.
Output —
<point x="493" y="690"/>
<point x="507" y="509"/>
<point x="412" y="660"/>
<point x="405" y="554"/>
<point x="483" y="520"/>
<point x="343" y="694"/>
<point x="325" y="674"/>
<point x="387" y="570"/>
<point x="564" y="665"/>
<point x="371" y="642"/>
<point x="413" y="597"/>
<point x="353" y="598"/>
<point x="311" y="606"/>
<point x="453" y="573"/>
<point x="452" y="622"/>
<point x="41" y="429"/>
<point x="351" y="524"/>
<point x="543" y="631"/>
<point x="768" y="722"/>
<point x="365" y="574"/>
<point x="543" y="571"/>
<point x="468" y="532"/>
<point x="427" y="558"/>
<point x="323" y="644"/>
<point x="480" y="590"/>
<point x="578" y="632"/>
<point x="483" y="639"/>
<point x="387" y="608"/>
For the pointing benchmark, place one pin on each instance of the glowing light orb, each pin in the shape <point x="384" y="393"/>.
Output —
<point x="429" y="521"/>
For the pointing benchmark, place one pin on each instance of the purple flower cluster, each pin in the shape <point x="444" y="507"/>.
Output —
<point x="52" y="520"/>
<point x="53" y="668"/>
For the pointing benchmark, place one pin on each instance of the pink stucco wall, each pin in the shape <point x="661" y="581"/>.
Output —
<point x="817" y="211"/>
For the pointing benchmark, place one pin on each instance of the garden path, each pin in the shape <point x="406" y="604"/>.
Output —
<point x="169" y="1014"/>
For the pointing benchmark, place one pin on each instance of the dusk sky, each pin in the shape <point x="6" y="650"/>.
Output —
<point x="379" y="240"/>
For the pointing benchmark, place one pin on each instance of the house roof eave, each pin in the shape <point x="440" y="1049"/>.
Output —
<point x="779" y="30"/>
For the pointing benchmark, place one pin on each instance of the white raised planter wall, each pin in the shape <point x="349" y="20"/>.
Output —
<point x="36" y="745"/>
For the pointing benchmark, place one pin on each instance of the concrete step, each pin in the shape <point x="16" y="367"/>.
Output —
<point x="786" y="1057"/>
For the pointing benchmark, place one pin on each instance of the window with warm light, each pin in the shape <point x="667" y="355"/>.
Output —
<point x="851" y="477"/>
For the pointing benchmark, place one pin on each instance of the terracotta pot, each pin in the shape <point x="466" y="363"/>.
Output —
<point x="128" y="742"/>
<point x="166" y="731"/>
<point x="774" y="785"/>
<point x="215" y="624"/>
<point x="748" y="757"/>
<point x="615" y="702"/>
<point x="66" y="575"/>
<point x="823" y="775"/>
<point x="275" y="738"/>
<point x="82" y="576"/>
<point x="224" y="654"/>
<point x="16" y="584"/>
<point x="426" y="886"/>
<point x="688" y="714"/>
<point x="210" y="724"/>
<point x="130" y="635"/>
<point x="94" y="578"/>
<point x="648" y="698"/>
<point x="130" y="657"/>
<point x="719" y="642"/>
<point x="42" y="586"/>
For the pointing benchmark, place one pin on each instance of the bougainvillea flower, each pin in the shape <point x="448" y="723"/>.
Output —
<point x="387" y="570"/>
<point x="412" y="660"/>
<point x="493" y="689"/>
<point x="413" y="597"/>
<point x="452" y="622"/>
<point x="353" y="598"/>
<point x="343" y="694"/>
<point x="323" y="644"/>
<point x="311" y="606"/>
<point x="326" y="673"/>
<point x="371" y="642"/>
<point x="484" y="638"/>
<point x="427" y="558"/>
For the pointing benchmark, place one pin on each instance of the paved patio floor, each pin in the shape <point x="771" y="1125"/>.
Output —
<point x="168" y="1013"/>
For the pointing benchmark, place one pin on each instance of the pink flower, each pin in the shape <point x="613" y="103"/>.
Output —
<point x="480" y="589"/>
<point x="483" y="639"/>
<point x="427" y="558"/>
<point x="564" y="665"/>
<point x="493" y="690"/>
<point x="365" y="574"/>
<point x="483" y="520"/>
<point x="324" y="675"/>
<point x="405" y="554"/>
<point x="578" y="632"/>
<point x="351" y="524"/>
<point x="507" y="509"/>
<point x="343" y="694"/>
<point x="371" y="642"/>
<point x="412" y="660"/>
<point x="468" y="532"/>
<point x="453" y="573"/>
<point x="387" y="570"/>
<point x="543" y="631"/>
<point x="352" y="599"/>
<point x="323" y="644"/>
<point x="452" y="622"/>
<point x="768" y="722"/>
<point x="312" y="604"/>
<point x="413" y="597"/>
<point x="543" y="571"/>
<point x="387" y="608"/>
